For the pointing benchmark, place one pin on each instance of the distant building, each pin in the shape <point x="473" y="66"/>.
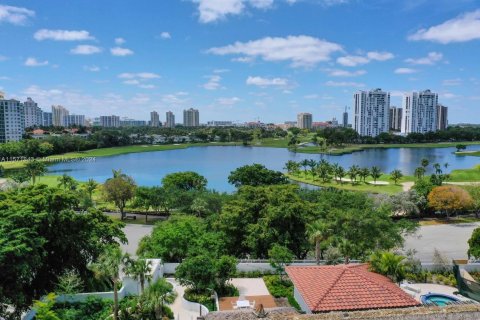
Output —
<point x="334" y="122"/>
<point x="191" y="118"/>
<point x="321" y="125"/>
<point x="304" y="120"/>
<point x="47" y="119"/>
<point x="59" y="114"/>
<point x="33" y="114"/>
<point x="12" y="120"/>
<point x="154" y="119"/>
<point x="170" y="120"/>
<point x="395" y="118"/>
<point x="419" y="112"/>
<point x="110" y="121"/>
<point x="345" y="119"/>
<point x="74" y="120"/>
<point x="442" y="117"/>
<point x="220" y="123"/>
<point x="126" y="122"/>
<point x="371" y="112"/>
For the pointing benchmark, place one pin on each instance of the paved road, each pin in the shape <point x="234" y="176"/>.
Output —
<point x="450" y="240"/>
<point x="134" y="233"/>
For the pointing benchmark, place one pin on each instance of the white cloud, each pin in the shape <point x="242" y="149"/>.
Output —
<point x="352" y="61"/>
<point x="267" y="82"/>
<point x="345" y="73"/>
<point x="404" y="71"/>
<point x="85" y="49"/>
<point x="462" y="28"/>
<point x="220" y="70"/>
<point x="329" y="3"/>
<point x="311" y="96"/>
<point x="147" y="86"/>
<point x="15" y="15"/>
<point x="228" y="101"/>
<point x="132" y="82"/>
<point x="121" y="52"/>
<point x="178" y="98"/>
<point x="452" y="82"/>
<point x="449" y="95"/>
<point x="261" y="4"/>
<point x="62" y="35"/>
<point x="430" y="59"/>
<point x="243" y="59"/>
<point x="119" y="41"/>
<point x="165" y="35"/>
<point x="213" y="10"/>
<point x="299" y="50"/>
<point x="213" y="82"/>
<point x="140" y="75"/>
<point x="344" y="84"/>
<point x="91" y="68"/>
<point x="33" y="62"/>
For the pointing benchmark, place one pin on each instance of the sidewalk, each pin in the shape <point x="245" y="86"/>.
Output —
<point x="178" y="311"/>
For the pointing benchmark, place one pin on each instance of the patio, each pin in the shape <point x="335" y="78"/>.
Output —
<point x="252" y="293"/>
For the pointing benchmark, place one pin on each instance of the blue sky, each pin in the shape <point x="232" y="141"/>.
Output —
<point x="238" y="60"/>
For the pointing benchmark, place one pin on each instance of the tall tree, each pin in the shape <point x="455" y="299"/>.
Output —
<point x="376" y="173"/>
<point x="34" y="169"/>
<point x="396" y="175"/>
<point x="119" y="190"/>
<point x="157" y="295"/>
<point x="139" y="269"/>
<point x="317" y="233"/>
<point x="185" y="181"/>
<point x="108" y="266"/>
<point x="90" y="187"/>
<point x="449" y="199"/>
<point x="256" y="175"/>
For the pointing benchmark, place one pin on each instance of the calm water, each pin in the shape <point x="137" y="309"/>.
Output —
<point x="215" y="162"/>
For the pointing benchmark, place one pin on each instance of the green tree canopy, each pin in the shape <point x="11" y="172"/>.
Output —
<point x="185" y="181"/>
<point x="256" y="175"/>
<point x="119" y="190"/>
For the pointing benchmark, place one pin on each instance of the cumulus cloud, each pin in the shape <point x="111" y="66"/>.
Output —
<point x="62" y="35"/>
<point x="352" y="61"/>
<point x="33" y="62"/>
<point x="15" y="15"/>
<point x="462" y="28"/>
<point x="121" y="52"/>
<point x="119" y="41"/>
<point x="267" y="82"/>
<point x="165" y="35"/>
<point x="85" y="49"/>
<point x="91" y="68"/>
<point x="430" y="59"/>
<point x="140" y="75"/>
<point x="405" y="71"/>
<point x="228" y="101"/>
<point x="299" y="50"/>
<point x="213" y="82"/>
<point x="345" y="73"/>
<point x="344" y="84"/>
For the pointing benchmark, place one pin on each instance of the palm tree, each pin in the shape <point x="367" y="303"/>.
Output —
<point x="340" y="173"/>
<point x="364" y="173"/>
<point x="335" y="168"/>
<point x="108" y="266"/>
<point x="157" y="295"/>
<point x="34" y="169"/>
<point x="66" y="181"/>
<point x="425" y="162"/>
<point x="419" y="172"/>
<point x="353" y="173"/>
<point x="376" y="173"/>
<point x="389" y="264"/>
<point x="312" y="164"/>
<point x="323" y="170"/>
<point x="305" y="163"/>
<point x="291" y="166"/>
<point x="90" y="186"/>
<point x="317" y="232"/>
<point x="438" y="168"/>
<point x="396" y="175"/>
<point x="139" y="270"/>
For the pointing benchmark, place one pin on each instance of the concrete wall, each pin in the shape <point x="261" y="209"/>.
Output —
<point x="194" y="307"/>
<point x="298" y="297"/>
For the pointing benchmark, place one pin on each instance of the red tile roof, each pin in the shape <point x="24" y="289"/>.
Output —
<point x="346" y="287"/>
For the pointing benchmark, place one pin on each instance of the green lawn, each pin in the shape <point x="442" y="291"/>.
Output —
<point x="468" y="153"/>
<point x="465" y="175"/>
<point x="391" y="188"/>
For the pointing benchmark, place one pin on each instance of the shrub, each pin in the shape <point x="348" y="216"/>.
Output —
<point x="204" y="298"/>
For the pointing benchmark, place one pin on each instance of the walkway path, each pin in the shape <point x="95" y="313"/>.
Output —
<point x="179" y="312"/>
<point x="407" y="185"/>
<point x="134" y="233"/>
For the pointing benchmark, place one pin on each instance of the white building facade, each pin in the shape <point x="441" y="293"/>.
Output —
<point x="371" y="112"/>
<point x="304" y="120"/>
<point x="59" y="116"/>
<point x="419" y="112"/>
<point x="170" y="122"/>
<point x="12" y="120"/>
<point x="191" y="118"/>
<point x="110" y="121"/>
<point x="33" y="114"/>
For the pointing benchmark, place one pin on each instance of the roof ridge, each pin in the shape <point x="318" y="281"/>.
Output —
<point x="344" y="269"/>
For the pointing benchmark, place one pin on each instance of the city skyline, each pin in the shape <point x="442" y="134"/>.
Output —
<point x="187" y="54"/>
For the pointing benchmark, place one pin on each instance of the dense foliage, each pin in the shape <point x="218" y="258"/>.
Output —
<point x="256" y="175"/>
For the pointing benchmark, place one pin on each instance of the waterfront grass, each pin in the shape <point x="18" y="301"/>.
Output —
<point x="369" y="187"/>
<point x="465" y="175"/>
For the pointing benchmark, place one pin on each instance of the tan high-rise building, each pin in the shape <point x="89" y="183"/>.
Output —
<point x="154" y="119"/>
<point x="304" y="120"/>
<point x="442" y="117"/>
<point x="191" y="118"/>
<point x="59" y="115"/>
<point x="170" y="122"/>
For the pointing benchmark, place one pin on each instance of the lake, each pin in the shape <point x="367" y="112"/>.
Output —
<point x="216" y="162"/>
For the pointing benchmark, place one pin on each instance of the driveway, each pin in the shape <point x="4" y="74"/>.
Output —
<point x="134" y="233"/>
<point x="449" y="239"/>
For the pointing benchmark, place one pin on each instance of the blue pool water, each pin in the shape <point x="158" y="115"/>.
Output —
<point x="438" y="299"/>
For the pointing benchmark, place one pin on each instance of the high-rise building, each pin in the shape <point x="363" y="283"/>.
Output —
<point x="371" y="112"/>
<point x="33" y="114"/>
<point x="191" y="118"/>
<point x="154" y="119"/>
<point x="47" y="120"/>
<point x="12" y="120"/>
<point x="110" y="121"/>
<point x="59" y="115"/>
<point x="345" y="118"/>
<point x="126" y="122"/>
<point x="395" y="118"/>
<point x="74" y="120"/>
<point x="419" y="112"/>
<point x="170" y="122"/>
<point x="442" y="117"/>
<point x="304" y="120"/>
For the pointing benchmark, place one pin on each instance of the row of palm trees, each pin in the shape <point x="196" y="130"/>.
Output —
<point x="325" y="171"/>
